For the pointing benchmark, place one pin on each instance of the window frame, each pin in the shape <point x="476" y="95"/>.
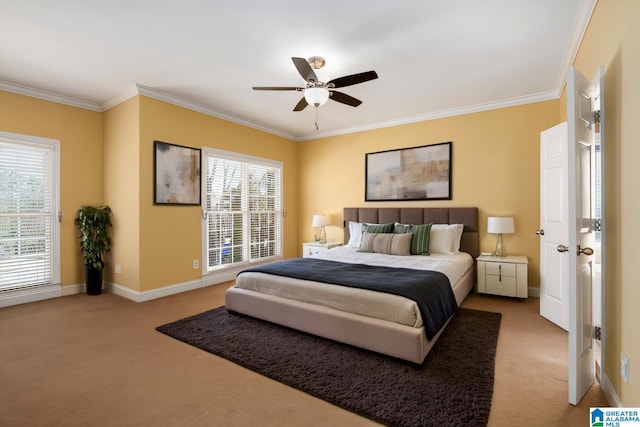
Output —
<point x="227" y="272"/>
<point x="34" y="292"/>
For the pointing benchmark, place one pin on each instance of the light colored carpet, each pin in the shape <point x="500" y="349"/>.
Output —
<point x="98" y="360"/>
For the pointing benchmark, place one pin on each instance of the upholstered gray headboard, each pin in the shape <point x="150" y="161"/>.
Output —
<point x="470" y="242"/>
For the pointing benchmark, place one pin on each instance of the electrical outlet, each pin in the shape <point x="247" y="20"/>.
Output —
<point x="196" y="264"/>
<point x="624" y="367"/>
<point x="118" y="269"/>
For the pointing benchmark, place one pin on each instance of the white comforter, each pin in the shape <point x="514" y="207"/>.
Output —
<point x="452" y="265"/>
<point x="360" y="301"/>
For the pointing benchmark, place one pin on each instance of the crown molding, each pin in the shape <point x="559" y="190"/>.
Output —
<point x="139" y="89"/>
<point x="579" y="28"/>
<point x="511" y="102"/>
<point x="48" y="96"/>
<point x="129" y="92"/>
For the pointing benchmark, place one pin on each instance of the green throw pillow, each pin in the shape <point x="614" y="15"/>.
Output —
<point x="420" y="239"/>
<point x="401" y="228"/>
<point x="378" y="228"/>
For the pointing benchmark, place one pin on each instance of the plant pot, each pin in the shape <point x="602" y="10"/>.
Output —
<point x="93" y="280"/>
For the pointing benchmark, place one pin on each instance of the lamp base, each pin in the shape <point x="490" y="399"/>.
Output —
<point x="323" y="236"/>
<point x="501" y="250"/>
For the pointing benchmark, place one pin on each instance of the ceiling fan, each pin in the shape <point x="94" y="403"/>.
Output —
<point x="318" y="88"/>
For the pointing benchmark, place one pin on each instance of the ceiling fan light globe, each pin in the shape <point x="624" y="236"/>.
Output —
<point x="317" y="96"/>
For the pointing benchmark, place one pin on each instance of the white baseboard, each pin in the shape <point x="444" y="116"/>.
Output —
<point x="26" y="295"/>
<point x="609" y="392"/>
<point x="143" y="296"/>
<point x="534" y="292"/>
<point x="209" y="279"/>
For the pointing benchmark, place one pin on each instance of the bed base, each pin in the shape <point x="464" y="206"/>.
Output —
<point x="389" y="338"/>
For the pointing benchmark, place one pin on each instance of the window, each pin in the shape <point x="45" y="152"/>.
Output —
<point x="29" y="228"/>
<point x="243" y="209"/>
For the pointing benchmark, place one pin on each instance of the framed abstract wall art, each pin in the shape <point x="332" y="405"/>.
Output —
<point x="176" y="172"/>
<point x="416" y="173"/>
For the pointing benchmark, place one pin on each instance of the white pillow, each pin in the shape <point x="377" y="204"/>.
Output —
<point x="456" y="234"/>
<point x="445" y="239"/>
<point x="355" y="234"/>
<point x="439" y="239"/>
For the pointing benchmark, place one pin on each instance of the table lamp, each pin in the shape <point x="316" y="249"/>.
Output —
<point x="321" y="221"/>
<point x="500" y="225"/>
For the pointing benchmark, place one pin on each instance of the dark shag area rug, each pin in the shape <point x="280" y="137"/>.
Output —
<point x="453" y="387"/>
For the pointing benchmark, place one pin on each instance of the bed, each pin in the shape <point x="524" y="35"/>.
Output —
<point x="388" y="324"/>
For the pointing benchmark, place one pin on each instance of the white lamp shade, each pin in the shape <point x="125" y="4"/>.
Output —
<point x="500" y="225"/>
<point x="321" y="220"/>
<point x="316" y="96"/>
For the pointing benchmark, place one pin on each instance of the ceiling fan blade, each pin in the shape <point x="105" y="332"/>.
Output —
<point x="353" y="79"/>
<point x="301" y="105"/>
<point x="344" y="98"/>
<point x="305" y="69"/>
<point x="277" y="88"/>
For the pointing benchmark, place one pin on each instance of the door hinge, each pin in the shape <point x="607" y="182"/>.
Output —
<point x="596" y="224"/>
<point x="597" y="332"/>
<point x="596" y="117"/>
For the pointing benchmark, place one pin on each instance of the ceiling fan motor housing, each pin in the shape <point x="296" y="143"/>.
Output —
<point x="316" y="62"/>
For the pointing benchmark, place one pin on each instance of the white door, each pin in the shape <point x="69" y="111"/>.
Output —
<point x="554" y="225"/>
<point x="569" y="296"/>
<point x="581" y="234"/>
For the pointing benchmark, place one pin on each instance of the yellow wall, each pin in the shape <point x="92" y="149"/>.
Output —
<point x="121" y="191"/>
<point x="496" y="162"/>
<point x="81" y="169"/>
<point x="170" y="236"/>
<point x="613" y="40"/>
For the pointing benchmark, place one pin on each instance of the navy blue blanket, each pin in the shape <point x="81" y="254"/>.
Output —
<point x="431" y="290"/>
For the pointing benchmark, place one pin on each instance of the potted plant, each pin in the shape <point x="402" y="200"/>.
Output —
<point x="94" y="223"/>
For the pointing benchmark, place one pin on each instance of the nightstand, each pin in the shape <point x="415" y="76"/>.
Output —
<point x="505" y="276"/>
<point x="314" y="248"/>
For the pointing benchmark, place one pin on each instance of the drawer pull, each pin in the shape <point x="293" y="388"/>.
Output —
<point x="500" y="273"/>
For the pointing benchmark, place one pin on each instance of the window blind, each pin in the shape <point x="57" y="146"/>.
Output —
<point x="243" y="209"/>
<point x="26" y="215"/>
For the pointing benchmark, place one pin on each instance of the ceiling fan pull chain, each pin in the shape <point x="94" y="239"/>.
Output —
<point x="317" y="118"/>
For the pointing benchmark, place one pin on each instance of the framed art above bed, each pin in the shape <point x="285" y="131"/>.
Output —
<point x="417" y="173"/>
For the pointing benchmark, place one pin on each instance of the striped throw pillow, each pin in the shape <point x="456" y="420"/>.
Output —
<point x="378" y="228"/>
<point x="420" y="239"/>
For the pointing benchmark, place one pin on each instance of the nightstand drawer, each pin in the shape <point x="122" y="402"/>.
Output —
<point x="504" y="269"/>
<point x="310" y="249"/>
<point x="504" y="276"/>
<point x="505" y="287"/>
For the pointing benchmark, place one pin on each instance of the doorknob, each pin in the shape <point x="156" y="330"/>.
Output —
<point x="586" y="251"/>
<point x="540" y="232"/>
<point x="562" y="248"/>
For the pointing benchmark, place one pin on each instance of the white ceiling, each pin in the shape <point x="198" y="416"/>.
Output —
<point x="434" y="58"/>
